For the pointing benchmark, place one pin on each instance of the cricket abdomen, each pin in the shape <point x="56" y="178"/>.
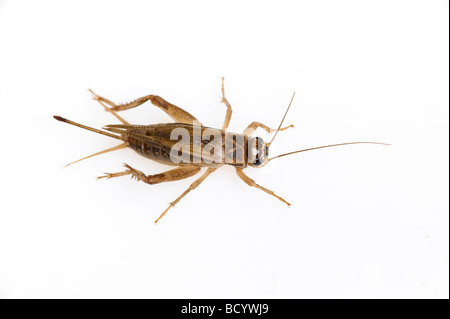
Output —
<point x="150" y="151"/>
<point x="207" y="147"/>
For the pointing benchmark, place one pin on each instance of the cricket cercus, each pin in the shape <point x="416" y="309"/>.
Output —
<point x="199" y="146"/>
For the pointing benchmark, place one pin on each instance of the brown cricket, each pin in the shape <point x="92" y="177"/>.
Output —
<point x="156" y="142"/>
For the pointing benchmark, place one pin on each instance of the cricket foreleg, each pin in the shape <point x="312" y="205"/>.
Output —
<point x="169" y="176"/>
<point x="226" y="122"/>
<point x="254" y="125"/>
<point x="191" y="187"/>
<point x="252" y="183"/>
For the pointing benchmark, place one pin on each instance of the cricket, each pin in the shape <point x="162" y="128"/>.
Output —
<point x="195" y="150"/>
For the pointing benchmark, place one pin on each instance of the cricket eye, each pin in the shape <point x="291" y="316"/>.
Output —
<point x="257" y="162"/>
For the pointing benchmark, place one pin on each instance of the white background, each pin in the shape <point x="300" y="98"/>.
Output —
<point x="366" y="220"/>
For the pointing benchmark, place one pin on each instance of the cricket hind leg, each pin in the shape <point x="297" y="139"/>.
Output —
<point x="176" y="113"/>
<point x="102" y="102"/>
<point x="168" y="176"/>
<point x="254" y="125"/>
<point x="252" y="183"/>
<point x="193" y="186"/>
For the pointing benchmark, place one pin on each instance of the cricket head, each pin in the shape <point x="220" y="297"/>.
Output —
<point x="258" y="149"/>
<point x="258" y="152"/>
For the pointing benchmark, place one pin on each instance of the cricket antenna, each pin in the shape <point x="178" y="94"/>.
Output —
<point x="318" y="147"/>
<point x="62" y="119"/>
<point x="278" y="129"/>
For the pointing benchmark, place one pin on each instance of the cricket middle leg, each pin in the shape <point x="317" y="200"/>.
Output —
<point x="193" y="186"/>
<point x="252" y="183"/>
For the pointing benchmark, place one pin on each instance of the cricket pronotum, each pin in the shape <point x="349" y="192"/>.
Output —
<point x="195" y="149"/>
